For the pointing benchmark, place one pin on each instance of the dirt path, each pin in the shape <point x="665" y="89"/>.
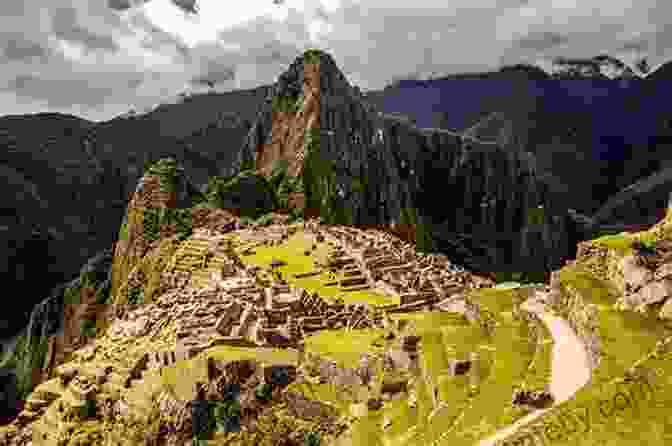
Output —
<point x="570" y="367"/>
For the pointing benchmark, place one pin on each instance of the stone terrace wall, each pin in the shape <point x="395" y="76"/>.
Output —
<point x="582" y="317"/>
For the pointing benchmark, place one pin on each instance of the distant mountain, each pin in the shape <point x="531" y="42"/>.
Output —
<point x="598" y="67"/>
<point x="68" y="180"/>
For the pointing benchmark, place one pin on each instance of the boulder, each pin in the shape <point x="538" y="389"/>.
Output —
<point x="67" y="374"/>
<point x="239" y="371"/>
<point x="459" y="367"/>
<point x="395" y="386"/>
<point x="535" y="399"/>
<point x="634" y="275"/>
<point x="279" y="375"/>
<point x="410" y="343"/>
<point x="650" y="293"/>
<point x="301" y="407"/>
<point x="664" y="271"/>
<point x="374" y="404"/>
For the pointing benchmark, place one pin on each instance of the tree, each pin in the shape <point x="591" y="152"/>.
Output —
<point x="643" y="65"/>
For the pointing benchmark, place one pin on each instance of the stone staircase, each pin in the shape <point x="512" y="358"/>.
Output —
<point x="190" y="256"/>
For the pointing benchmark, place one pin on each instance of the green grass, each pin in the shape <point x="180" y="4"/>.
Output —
<point x="344" y="347"/>
<point x="88" y="328"/>
<point x="622" y="243"/>
<point x="326" y="393"/>
<point x="513" y="353"/>
<point x="291" y="252"/>
<point x="539" y="374"/>
<point x="617" y="412"/>
<point x="444" y="336"/>
<point x="312" y="56"/>
<point x="181" y="378"/>
<point x="625" y="336"/>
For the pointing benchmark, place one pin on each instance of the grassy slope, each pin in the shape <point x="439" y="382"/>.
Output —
<point x="628" y="340"/>
<point x="292" y="252"/>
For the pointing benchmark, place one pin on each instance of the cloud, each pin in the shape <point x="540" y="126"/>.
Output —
<point x="542" y="40"/>
<point x="188" y="6"/>
<point x="67" y="27"/>
<point x="103" y="57"/>
<point x="215" y="74"/>
<point x="15" y="47"/>
<point x="122" y="5"/>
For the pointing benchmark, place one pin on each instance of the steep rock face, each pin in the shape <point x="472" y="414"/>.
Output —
<point x="454" y="194"/>
<point x="158" y="209"/>
<point x="54" y="325"/>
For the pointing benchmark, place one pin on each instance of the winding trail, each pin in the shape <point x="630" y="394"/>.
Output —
<point x="570" y="368"/>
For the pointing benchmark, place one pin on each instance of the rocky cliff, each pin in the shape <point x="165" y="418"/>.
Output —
<point x="159" y="209"/>
<point x="55" y="330"/>
<point x="463" y="196"/>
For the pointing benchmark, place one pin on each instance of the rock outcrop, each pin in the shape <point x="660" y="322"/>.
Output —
<point x="158" y="209"/>
<point x="54" y="328"/>
<point x="364" y="168"/>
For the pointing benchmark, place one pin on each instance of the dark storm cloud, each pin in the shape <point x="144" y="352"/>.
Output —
<point x="74" y="91"/>
<point x="67" y="27"/>
<point x="188" y="6"/>
<point x="122" y="5"/>
<point x="540" y="41"/>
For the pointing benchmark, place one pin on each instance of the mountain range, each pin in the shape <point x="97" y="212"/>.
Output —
<point x="585" y="135"/>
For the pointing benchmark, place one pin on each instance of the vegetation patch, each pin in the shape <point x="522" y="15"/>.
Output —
<point x="178" y="221"/>
<point x="150" y="224"/>
<point x="249" y="192"/>
<point x="511" y="351"/>
<point x="166" y="170"/>
<point x="615" y="407"/>
<point x="87" y="328"/>
<point x="536" y="216"/>
<point x="344" y="346"/>
<point x="291" y="252"/>
<point x="136" y="296"/>
<point x="29" y="355"/>
<point x="621" y="243"/>
<point x="286" y="104"/>
<point x="627" y="409"/>
<point x="625" y="336"/>
<point x="181" y="378"/>
<point x="88" y="409"/>
<point x="72" y="294"/>
<point x="312" y="56"/>
<point x="264" y="220"/>
<point x="319" y="181"/>
<point x="527" y="277"/>
<point x="123" y="232"/>
<point x="103" y="294"/>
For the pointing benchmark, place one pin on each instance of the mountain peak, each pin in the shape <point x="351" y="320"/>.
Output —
<point x="332" y="81"/>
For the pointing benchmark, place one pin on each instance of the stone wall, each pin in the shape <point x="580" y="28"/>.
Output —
<point x="582" y="317"/>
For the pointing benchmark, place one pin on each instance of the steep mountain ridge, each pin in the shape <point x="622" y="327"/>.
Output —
<point x="366" y="168"/>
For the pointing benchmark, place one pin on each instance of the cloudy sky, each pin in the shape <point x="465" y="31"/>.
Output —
<point x="99" y="58"/>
